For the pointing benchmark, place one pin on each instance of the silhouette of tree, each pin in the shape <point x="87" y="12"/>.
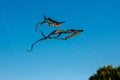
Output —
<point x="107" y="73"/>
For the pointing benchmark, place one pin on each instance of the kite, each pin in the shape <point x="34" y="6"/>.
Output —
<point x="50" y="22"/>
<point x="59" y="33"/>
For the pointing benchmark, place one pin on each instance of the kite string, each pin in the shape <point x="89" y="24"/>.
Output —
<point x="92" y="49"/>
<point x="8" y="30"/>
<point x="77" y="52"/>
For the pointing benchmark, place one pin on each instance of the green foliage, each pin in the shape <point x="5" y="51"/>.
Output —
<point x="107" y="73"/>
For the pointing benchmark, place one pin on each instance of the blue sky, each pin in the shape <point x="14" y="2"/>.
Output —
<point x="75" y="59"/>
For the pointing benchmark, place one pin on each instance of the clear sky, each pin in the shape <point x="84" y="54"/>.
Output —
<point x="74" y="59"/>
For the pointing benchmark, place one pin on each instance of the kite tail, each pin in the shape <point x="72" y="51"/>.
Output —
<point x="42" y="33"/>
<point x="45" y="18"/>
<point x="31" y="48"/>
<point x="37" y="27"/>
<point x="34" y="44"/>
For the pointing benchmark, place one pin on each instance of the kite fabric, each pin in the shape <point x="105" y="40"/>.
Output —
<point x="54" y="23"/>
<point x="59" y="33"/>
<point x="50" y="22"/>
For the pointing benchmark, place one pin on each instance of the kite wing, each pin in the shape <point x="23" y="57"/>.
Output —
<point x="74" y="33"/>
<point x="53" y="21"/>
